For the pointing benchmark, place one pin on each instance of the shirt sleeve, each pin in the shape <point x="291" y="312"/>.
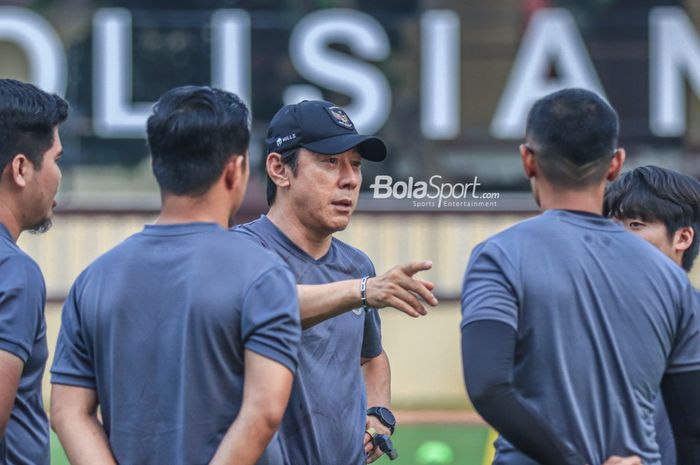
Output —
<point x="489" y="290"/>
<point x="372" y="337"/>
<point x="72" y="363"/>
<point x="22" y="298"/>
<point x="270" y="317"/>
<point x="243" y="230"/>
<point x="685" y="354"/>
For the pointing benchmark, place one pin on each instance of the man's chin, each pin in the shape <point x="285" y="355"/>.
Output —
<point x="340" y="224"/>
<point x="41" y="227"/>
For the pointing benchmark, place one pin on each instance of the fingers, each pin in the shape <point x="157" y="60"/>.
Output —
<point x="427" y="284"/>
<point x="419" y="286"/>
<point x="411" y="300"/>
<point x="402" y="306"/>
<point x="414" y="267"/>
<point x="374" y="455"/>
<point x="372" y="452"/>
<point x="368" y="443"/>
<point x="397" y="288"/>
<point x="416" y="286"/>
<point x="617" y="460"/>
<point x="634" y="460"/>
<point x="370" y="433"/>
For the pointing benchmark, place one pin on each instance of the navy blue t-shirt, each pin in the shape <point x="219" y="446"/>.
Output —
<point x="600" y="316"/>
<point x="325" y="420"/>
<point x="158" y="327"/>
<point x="23" y="333"/>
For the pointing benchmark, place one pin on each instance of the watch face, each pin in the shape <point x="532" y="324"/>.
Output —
<point x="387" y="416"/>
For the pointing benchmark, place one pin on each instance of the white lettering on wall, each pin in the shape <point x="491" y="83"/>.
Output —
<point x="363" y="83"/>
<point x="551" y="37"/>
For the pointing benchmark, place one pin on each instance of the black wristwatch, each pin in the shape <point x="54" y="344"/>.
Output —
<point x="384" y="415"/>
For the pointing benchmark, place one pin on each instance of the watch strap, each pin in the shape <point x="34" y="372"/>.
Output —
<point x="377" y="412"/>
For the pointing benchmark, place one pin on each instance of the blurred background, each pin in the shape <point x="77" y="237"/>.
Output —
<point x="447" y="84"/>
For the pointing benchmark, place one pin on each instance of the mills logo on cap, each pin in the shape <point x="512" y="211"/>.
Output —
<point x="320" y="127"/>
<point x="287" y="138"/>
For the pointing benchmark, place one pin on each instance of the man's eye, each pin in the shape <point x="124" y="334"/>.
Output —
<point x="332" y="160"/>
<point x="636" y="224"/>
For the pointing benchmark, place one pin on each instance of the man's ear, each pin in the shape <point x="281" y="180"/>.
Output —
<point x="235" y="171"/>
<point x="19" y="169"/>
<point x="618" y="160"/>
<point x="528" y="159"/>
<point x="277" y="170"/>
<point x="683" y="238"/>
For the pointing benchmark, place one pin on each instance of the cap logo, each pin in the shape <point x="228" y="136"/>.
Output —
<point x="287" y="138"/>
<point x="340" y="118"/>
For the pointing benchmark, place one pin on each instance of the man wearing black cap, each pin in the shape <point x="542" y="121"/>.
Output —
<point x="314" y="178"/>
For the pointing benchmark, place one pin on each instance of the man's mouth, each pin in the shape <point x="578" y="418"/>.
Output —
<point x="342" y="203"/>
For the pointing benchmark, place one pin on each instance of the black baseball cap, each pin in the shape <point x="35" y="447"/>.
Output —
<point x="321" y="127"/>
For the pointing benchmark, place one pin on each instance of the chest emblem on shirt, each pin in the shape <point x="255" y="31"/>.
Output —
<point x="357" y="311"/>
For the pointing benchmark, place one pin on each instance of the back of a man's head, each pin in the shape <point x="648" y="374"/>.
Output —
<point x="192" y="133"/>
<point x="573" y="135"/>
<point x="28" y="117"/>
<point x="652" y="193"/>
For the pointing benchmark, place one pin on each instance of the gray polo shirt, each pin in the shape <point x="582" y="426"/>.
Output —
<point x="158" y="326"/>
<point x="325" y="421"/>
<point x="23" y="333"/>
<point x="600" y="315"/>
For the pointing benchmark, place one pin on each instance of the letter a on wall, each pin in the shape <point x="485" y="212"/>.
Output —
<point x="551" y="38"/>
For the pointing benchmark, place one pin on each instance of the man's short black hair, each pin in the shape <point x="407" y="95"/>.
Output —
<point x="573" y="135"/>
<point x="291" y="158"/>
<point x="28" y="117"/>
<point x="192" y="133"/>
<point x="652" y="193"/>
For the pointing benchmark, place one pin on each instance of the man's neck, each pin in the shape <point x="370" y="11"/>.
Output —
<point x="10" y="221"/>
<point x="589" y="200"/>
<point x="182" y="209"/>
<point x="314" y="243"/>
<point x="677" y="257"/>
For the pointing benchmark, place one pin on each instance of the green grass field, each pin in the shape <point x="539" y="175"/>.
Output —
<point x="57" y="455"/>
<point x="439" y="445"/>
<point x="417" y="445"/>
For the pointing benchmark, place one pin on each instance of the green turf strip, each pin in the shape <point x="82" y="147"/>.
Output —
<point x="58" y="457"/>
<point x="439" y="445"/>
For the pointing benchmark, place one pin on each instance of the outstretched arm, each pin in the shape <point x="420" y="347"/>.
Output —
<point x="398" y="288"/>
